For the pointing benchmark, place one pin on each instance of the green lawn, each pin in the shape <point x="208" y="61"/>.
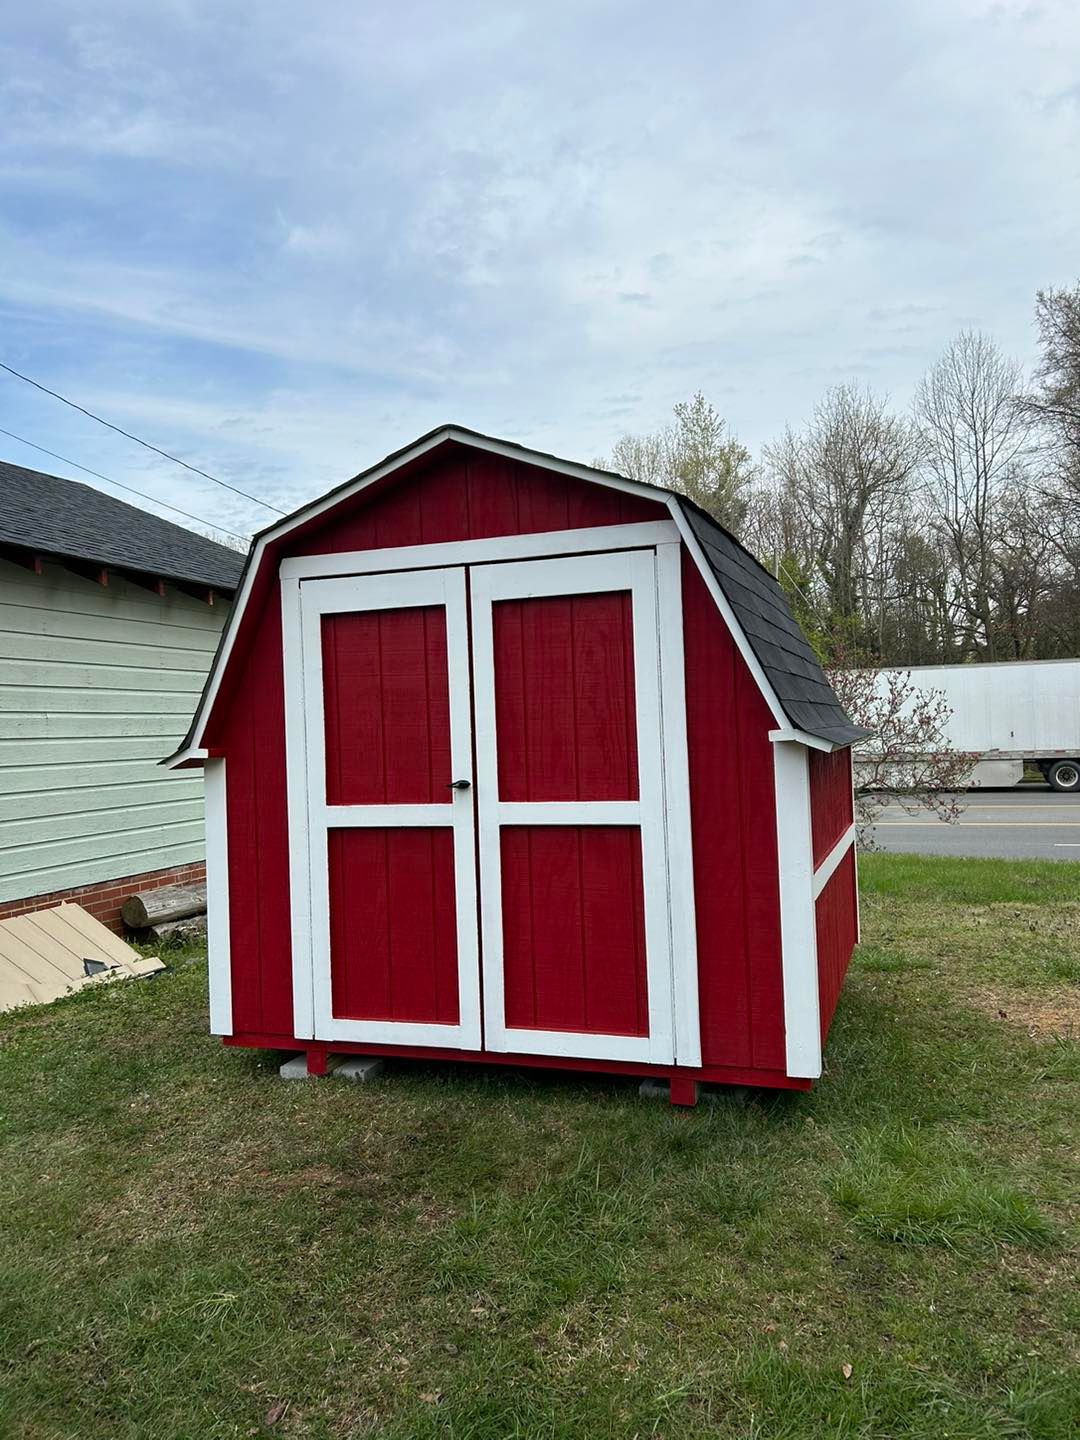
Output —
<point x="191" y="1248"/>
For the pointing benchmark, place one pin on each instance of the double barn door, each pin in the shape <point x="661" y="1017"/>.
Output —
<point x="483" y="789"/>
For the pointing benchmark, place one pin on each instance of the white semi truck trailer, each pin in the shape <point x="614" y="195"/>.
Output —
<point x="1011" y="713"/>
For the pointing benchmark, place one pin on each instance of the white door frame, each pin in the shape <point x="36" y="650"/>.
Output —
<point x="407" y="589"/>
<point x="661" y="538"/>
<point x="628" y="570"/>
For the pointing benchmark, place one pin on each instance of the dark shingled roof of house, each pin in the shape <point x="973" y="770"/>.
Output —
<point x="775" y="636"/>
<point x="51" y="516"/>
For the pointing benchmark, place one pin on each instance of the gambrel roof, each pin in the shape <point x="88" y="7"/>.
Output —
<point x="754" y="606"/>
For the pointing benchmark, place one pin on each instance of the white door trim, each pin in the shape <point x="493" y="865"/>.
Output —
<point x="309" y="828"/>
<point x="472" y="552"/>
<point x="798" y="928"/>
<point x="680" y="854"/>
<point x="627" y="570"/>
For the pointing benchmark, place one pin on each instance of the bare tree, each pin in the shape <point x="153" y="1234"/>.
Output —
<point x="694" y="455"/>
<point x="845" y="482"/>
<point x="977" y="438"/>
<point x="1056" y="401"/>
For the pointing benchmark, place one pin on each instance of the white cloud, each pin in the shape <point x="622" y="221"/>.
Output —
<point x="291" y="246"/>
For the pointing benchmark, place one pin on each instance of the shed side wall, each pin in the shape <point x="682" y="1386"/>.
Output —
<point x="830" y="799"/>
<point x="835" y="918"/>
<point x="732" y="805"/>
<point x="96" y="684"/>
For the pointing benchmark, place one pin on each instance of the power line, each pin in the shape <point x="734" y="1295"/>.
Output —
<point x="130" y="488"/>
<point x="145" y="443"/>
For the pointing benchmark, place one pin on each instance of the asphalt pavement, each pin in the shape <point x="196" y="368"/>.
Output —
<point x="1027" y="823"/>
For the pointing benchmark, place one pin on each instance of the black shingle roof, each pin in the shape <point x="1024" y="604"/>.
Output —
<point x="775" y="636"/>
<point x="64" y="517"/>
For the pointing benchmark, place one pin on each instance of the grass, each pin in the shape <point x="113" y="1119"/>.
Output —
<point x="189" y="1247"/>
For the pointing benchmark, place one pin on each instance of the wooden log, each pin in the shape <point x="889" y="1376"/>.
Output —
<point x="148" y="908"/>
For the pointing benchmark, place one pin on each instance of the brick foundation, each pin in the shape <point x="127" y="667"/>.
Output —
<point x="104" y="899"/>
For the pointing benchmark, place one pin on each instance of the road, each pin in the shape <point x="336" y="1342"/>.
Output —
<point x="1029" y="823"/>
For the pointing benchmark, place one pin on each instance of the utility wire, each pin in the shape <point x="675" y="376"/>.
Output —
<point x="129" y="488"/>
<point x="145" y="443"/>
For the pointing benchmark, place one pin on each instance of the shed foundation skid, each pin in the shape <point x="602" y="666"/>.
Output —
<point x="681" y="1086"/>
<point x="526" y="764"/>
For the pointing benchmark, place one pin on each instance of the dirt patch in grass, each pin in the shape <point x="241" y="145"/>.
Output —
<point x="1043" y="1015"/>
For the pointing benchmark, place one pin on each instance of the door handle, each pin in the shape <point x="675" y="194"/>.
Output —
<point x="459" y="785"/>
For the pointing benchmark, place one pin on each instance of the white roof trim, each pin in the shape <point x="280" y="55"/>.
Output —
<point x="738" y="634"/>
<point x="195" y="753"/>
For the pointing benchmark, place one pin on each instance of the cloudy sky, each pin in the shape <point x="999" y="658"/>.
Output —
<point x="283" y="239"/>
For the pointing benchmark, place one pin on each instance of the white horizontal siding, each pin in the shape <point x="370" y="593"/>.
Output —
<point x="97" y="684"/>
<point x="40" y="699"/>
<point x="181" y="784"/>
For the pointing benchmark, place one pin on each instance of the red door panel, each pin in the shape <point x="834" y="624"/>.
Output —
<point x="574" y="929"/>
<point x="564" y="698"/>
<point x="393" y="950"/>
<point x="387" y="707"/>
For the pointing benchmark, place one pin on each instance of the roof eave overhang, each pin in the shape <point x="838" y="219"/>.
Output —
<point x="129" y="572"/>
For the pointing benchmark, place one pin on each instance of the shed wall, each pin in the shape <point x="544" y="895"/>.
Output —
<point x="733" y="816"/>
<point x="734" y="830"/>
<point x="96" y="684"/>
<point x="831" y="812"/>
<point x="835" y="915"/>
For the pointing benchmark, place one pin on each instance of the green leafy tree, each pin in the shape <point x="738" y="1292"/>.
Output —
<point x="695" y="455"/>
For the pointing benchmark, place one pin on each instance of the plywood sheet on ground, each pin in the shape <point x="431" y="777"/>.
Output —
<point x="53" y="952"/>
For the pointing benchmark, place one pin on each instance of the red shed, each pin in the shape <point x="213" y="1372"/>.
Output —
<point x="515" y="760"/>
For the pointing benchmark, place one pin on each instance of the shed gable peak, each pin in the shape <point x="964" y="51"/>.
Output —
<point x="456" y="485"/>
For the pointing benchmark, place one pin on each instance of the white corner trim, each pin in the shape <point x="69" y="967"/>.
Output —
<point x="680" y="857"/>
<point x="802" y="737"/>
<point x="798" y="930"/>
<point x="217" y="899"/>
<point x="296" y="809"/>
<point x="825" y="871"/>
<point x="855" y="856"/>
<point x="738" y="634"/>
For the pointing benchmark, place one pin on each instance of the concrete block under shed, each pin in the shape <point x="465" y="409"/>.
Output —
<point x="296" y="1067"/>
<point x="358" y="1068"/>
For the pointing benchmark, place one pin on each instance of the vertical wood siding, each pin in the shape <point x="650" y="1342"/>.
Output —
<point x="835" y="921"/>
<point x="387" y="707"/>
<point x="574" y="929"/>
<point x="97" y="683"/>
<point x="393" y="946"/>
<point x="566" y="716"/>
<point x="830" y="799"/>
<point x="732" y="807"/>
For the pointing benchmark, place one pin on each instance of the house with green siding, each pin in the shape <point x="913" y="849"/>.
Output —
<point x="109" y="618"/>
